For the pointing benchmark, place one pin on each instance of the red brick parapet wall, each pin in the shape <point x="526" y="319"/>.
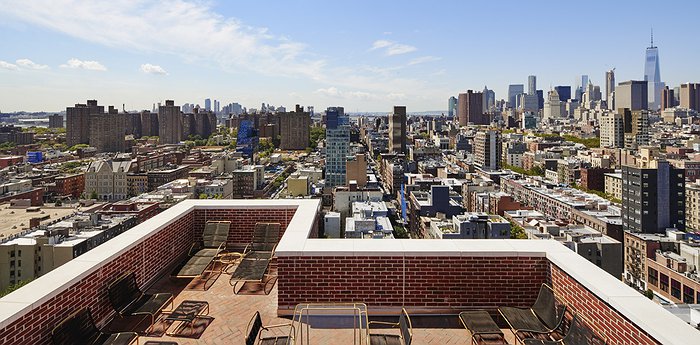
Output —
<point x="604" y="319"/>
<point x="242" y="221"/>
<point x="426" y="283"/>
<point x="147" y="259"/>
<point x="151" y="258"/>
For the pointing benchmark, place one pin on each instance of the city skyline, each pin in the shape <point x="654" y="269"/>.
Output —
<point x="316" y="53"/>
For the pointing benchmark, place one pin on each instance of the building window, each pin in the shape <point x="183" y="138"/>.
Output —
<point x="688" y="294"/>
<point x="675" y="288"/>
<point x="653" y="277"/>
<point x="663" y="282"/>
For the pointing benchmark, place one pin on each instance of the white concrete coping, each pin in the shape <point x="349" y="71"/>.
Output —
<point x="645" y="314"/>
<point x="39" y="291"/>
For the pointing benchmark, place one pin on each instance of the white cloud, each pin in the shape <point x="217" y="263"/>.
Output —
<point x="180" y="27"/>
<point x="26" y="63"/>
<point x="398" y="49"/>
<point x="423" y="59"/>
<point x="381" y="44"/>
<point x="153" y="69"/>
<point x="392" y="48"/>
<point x="84" y="64"/>
<point x="9" y="66"/>
<point x="331" y="91"/>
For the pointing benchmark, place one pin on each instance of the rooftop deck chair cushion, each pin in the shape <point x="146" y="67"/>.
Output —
<point x="544" y="316"/>
<point x="404" y="338"/>
<point x="204" y="252"/>
<point x="579" y="333"/>
<point x="79" y="328"/>
<point x="254" y="333"/>
<point x="128" y="300"/>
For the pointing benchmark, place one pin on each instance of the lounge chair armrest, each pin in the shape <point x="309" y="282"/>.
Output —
<point x="278" y="325"/>
<point x="192" y="248"/>
<point x="228" y="256"/>
<point x="393" y="324"/>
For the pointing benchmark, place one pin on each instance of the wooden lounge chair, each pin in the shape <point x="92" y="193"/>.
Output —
<point x="202" y="253"/>
<point x="128" y="300"/>
<point x="579" y="333"/>
<point x="404" y="337"/>
<point x="254" y="333"/>
<point x="544" y="317"/>
<point x="79" y="328"/>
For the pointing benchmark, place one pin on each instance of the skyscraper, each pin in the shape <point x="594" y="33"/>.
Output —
<point x="470" y="109"/>
<point x="513" y="91"/>
<point x="667" y="98"/>
<point x="532" y="85"/>
<point x="169" y="123"/>
<point x="652" y="75"/>
<point x="553" y="106"/>
<point x="488" y="150"/>
<point x="488" y="99"/>
<point x="207" y="104"/>
<point x="107" y="130"/>
<point x="636" y="127"/>
<point x="564" y="92"/>
<point x="295" y="129"/>
<point x="451" y="107"/>
<point x="690" y="96"/>
<point x="337" y="146"/>
<point x="78" y="122"/>
<point x="609" y="87"/>
<point x="612" y="133"/>
<point x="632" y="94"/>
<point x="56" y="121"/>
<point x="397" y="129"/>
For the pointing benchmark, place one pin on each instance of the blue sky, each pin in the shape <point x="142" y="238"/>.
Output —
<point x="364" y="55"/>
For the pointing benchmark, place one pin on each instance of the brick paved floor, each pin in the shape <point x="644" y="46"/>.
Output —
<point x="231" y="314"/>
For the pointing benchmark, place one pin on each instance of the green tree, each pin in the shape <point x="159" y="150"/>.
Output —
<point x="517" y="232"/>
<point x="7" y="145"/>
<point x="14" y="287"/>
<point x="317" y="134"/>
<point x="78" y="146"/>
<point x="202" y="196"/>
<point x="93" y="195"/>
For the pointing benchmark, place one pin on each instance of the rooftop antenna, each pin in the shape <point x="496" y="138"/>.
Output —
<point x="652" y="38"/>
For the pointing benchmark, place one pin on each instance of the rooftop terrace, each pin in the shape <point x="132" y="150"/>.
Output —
<point x="431" y="278"/>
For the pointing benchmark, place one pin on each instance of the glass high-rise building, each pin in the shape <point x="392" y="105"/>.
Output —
<point x="652" y="75"/>
<point x="513" y="91"/>
<point x="564" y="92"/>
<point x="337" y="146"/>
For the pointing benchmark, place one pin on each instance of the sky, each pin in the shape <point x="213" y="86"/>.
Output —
<point x="363" y="55"/>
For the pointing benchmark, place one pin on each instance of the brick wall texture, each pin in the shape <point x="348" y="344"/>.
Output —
<point x="414" y="282"/>
<point x="602" y="318"/>
<point x="438" y="283"/>
<point x="150" y="259"/>
<point x="242" y="221"/>
<point x="147" y="259"/>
